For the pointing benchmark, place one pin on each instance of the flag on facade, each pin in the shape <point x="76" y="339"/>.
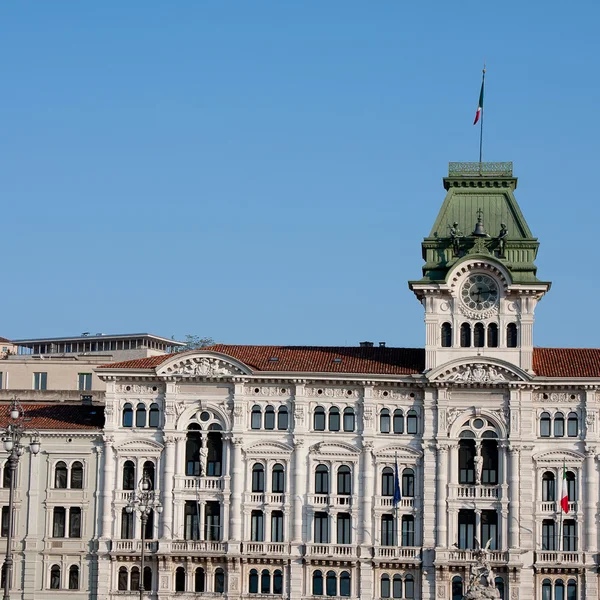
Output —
<point x="397" y="493"/>
<point x="564" y="496"/>
<point x="479" y="106"/>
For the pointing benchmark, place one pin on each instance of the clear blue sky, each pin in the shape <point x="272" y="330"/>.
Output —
<point x="264" y="171"/>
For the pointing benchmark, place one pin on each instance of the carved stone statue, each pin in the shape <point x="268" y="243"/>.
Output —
<point x="478" y="460"/>
<point x="455" y="235"/>
<point x="203" y="458"/>
<point x="502" y="239"/>
<point x="481" y="581"/>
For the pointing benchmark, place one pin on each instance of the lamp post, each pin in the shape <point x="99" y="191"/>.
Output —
<point x="11" y="438"/>
<point x="144" y="501"/>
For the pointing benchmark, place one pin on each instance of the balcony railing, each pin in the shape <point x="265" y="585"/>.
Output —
<point x="465" y="556"/>
<point x="555" y="558"/>
<point x="331" y="550"/>
<point x="198" y="546"/>
<point x="552" y="507"/>
<point x="492" y="492"/>
<point x="262" y="498"/>
<point x="388" y="502"/>
<point x="330" y="500"/>
<point x="199" y="483"/>
<point x="134" y="546"/>
<point x="397" y="552"/>
<point x="266" y="548"/>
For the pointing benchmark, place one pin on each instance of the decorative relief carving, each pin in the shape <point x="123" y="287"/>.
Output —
<point x="476" y="373"/>
<point x="233" y="583"/>
<point x="266" y="390"/>
<point x="514" y="421"/>
<point x="109" y="411"/>
<point x="556" y="397"/>
<point x="453" y="415"/>
<point x="325" y="392"/>
<point x="299" y="415"/>
<point x="479" y="314"/>
<point x="442" y="419"/>
<point x="388" y="394"/>
<point x="590" y="420"/>
<point x="203" y="367"/>
<point x="441" y="591"/>
<point x="136" y="388"/>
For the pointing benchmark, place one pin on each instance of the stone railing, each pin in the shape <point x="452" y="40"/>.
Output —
<point x="555" y="558"/>
<point x="349" y="550"/>
<point x="266" y="548"/>
<point x="264" y="498"/>
<point x="397" y="552"/>
<point x="204" y="546"/>
<point x="465" y="556"/>
<point x="134" y="546"/>
<point x="183" y="482"/>
<point x="492" y="492"/>
<point x="480" y="169"/>
<point x="329" y="500"/>
<point x="553" y="507"/>
<point x="388" y="502"/>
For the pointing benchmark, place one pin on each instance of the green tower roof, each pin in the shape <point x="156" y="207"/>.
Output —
<point x="480" y="217"/>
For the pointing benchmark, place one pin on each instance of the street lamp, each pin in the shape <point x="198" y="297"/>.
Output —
<point x="144" y="501"/>
<point x="11" y="438"/>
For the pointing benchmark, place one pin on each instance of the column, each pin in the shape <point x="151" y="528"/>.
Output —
<point x="503" y="545"/>
<point x="513" y="497"/>
<point x="168" y="461"/>
<point x="368" y="491"/>
<point x="442" y="484"/>
<point x="590" y="490"/>
<point x="108" y="486"/>
<point x="237" y="488"/>
<point x="478" y="527"/>
<point x="298" y="488"/>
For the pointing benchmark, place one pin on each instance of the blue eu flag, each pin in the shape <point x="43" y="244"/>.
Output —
<point x="397" y="493"/>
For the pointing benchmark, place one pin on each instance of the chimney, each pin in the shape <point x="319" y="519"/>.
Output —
<point x="366" y="344"/>
<point x="382" y="344"/>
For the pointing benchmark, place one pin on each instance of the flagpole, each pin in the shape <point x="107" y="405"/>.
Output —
<point x="481" y="127"/>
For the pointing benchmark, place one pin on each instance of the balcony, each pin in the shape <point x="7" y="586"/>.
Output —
<point x="333" y="550"/>
<point x="198" y="546"/>
<point x="467" y="556"/>
<point x="261" y="498"/>
<point x="266" y="548"/>
<point x="388" y="502"/>
<point x="472" y="492"/>
<point x="554" y="558"/>
<point x="554" y="507"/>
<point x="134" y="546"/>
<point x="329" y="500"/>
<point x="183" y="482"/>
<point x="404" y="553"/>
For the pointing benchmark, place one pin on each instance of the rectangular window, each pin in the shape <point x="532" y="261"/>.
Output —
<point x="570" y="536"/>
<point x="489" y="528"/>
<point x="85" y="382"/>
<point x="40" y="381"/>
<point x="408" y="530"/>
<point x="74" y="522"/>
<point x="192" y="523"/>
<point x="277" y="526"/>
<point x="321" y="528"/>
<point x="212" y="521"/>
<point x="58" y="525"/>
<point x="257" y="526"/>
<point x="126" y="525"/>
<point x="548" y="535"/>
<point x="1" y="380"/>
<point x="387" y="530"/>
<point x="466" y="529"/>
<point x="4" y="527"/>
<point x="344" y="529"/>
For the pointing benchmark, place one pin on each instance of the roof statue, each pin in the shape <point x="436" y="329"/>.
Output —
<point x="481" y="581"/>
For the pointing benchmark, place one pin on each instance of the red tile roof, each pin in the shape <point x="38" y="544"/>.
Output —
<point x="57" y="416"/>
<point x="3" y="340"/>
<point x="566" y="362"/>
<point x="309" y="359"/>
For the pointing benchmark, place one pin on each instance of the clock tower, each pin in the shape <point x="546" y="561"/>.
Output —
<point x="479" y="287"/>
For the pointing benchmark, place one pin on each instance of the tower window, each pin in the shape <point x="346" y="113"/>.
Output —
<point x="511" y="335"/>
<point x="446" y="335"/>
<point x="478" y="335"/>
<point x="492" y="335"/>
<point x="465" y="335"/>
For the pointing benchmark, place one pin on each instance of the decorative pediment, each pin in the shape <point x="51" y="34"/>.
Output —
<point x="403" y="453"/>
<point x="269" y="449"/>
<point x="140" y="447"/>
<point x="211" y="365"/>
<point x="559" y="457"/>
<point x="334" y="449"/>
<point x="485" y="372"/>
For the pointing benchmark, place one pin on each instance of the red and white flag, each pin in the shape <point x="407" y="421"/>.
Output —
<point x="564" y="495"/>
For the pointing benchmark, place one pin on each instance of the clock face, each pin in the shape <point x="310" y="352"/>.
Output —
<point x="479" y="292"/>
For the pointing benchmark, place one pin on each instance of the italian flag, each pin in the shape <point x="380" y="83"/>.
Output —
<point x="479" y="106"/>
<point x="564" y="495"/>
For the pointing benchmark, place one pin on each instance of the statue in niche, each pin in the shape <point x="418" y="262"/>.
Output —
<point x="203" y="458"/>
<point x="455" y="235"/>
<point x="478" y="460"/>
<point x="502" y="239"/>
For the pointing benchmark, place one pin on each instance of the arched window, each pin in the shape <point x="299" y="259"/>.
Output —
<point x="571" y="486"/>
<point x="511" y="335"/>
<point x="253" y="582"/>
<point x="499" y="583"/>
<point x="408" y="530"/>
<point x="74" y="577"/>
<point x="559" y="590"/>
<point x="317" y="583"/>
<point x="572" y="425"/>
<point x="546" y="589"/>
<point x="446" y="335"/>
<point x="397" y="586"/>
<point x="278" y="582"/>
<point x="492" y="335"/>
<point x="134" y="579"/>
<point x="479" y="335"/>
<point x="265" y="582"/>
<point x="123" y="577"/>
<point x="411" y="422"/>
<point x="572" y="589"/>
<point x="321" y="480"/>
<point x="256" y="417"/>
<point x="344" y="481"/>
<point x="545" y="424"/>
<point x="409" y="587"/>
<point x="282" y="418"/>
<point x="127" y="415"/>
<point x="345" y="583"/>
<point x="349" y="419"/>
<point x="319" y="419"/>
<point x="559" y="425"/>
<point x="199" y="580"/>
<point x="408" y="483"/>
<point x="398" y="421"/>
<point x="384" y="421"/>
<point x="154" y="416"/>
<point x="278" y="479"/>
<point x="270" y="417"/>
<point x="387" y="482"/>
<point x="55" y="577"/>
<point x="385" y="586"/>
<point x="457" y="588"/>
<point x="148" y="473"/>
<point x="334" y="418"/>
<point x="465" y="335"/>
<point x="128" y="475"/>
<point x="140" y="415"/>
<point x="219" y="581"/>
<point x="77" y="476"/>
<point x="331" y="583"/>
<point x="548" y="487"/>
<point x="60" y="475"/>
<point x="148" y="579"/>
<point x="180" y="579"/>
<point x="258" y="478"/>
